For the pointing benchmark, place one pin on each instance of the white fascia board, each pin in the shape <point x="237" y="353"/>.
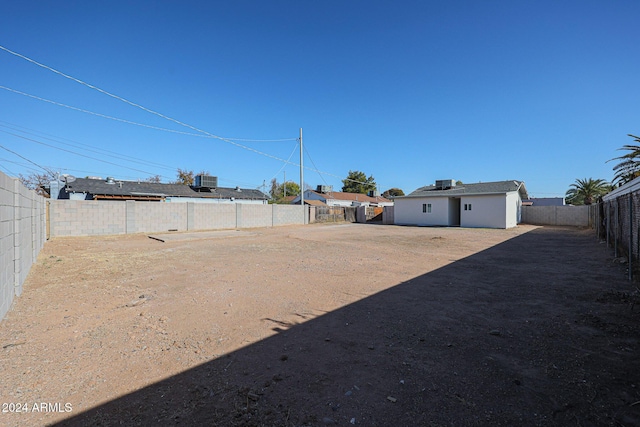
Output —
<point x="629" y="187"/>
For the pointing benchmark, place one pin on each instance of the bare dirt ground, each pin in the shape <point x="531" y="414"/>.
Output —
<point x="325" y="325"/>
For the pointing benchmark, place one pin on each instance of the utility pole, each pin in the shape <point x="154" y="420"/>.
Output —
<point x="302" y="179"/>
<point x="284" y="185"/>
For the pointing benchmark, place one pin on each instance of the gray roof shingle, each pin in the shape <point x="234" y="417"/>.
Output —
<point x="497" y="187"/>
<point x="134" y="188"/>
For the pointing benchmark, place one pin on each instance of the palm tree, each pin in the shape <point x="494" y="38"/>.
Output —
<point x="629" y="166"/>
<point x="584" y="191"/>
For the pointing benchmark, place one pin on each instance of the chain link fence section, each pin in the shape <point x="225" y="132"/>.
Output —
<point x="618" y="223"/>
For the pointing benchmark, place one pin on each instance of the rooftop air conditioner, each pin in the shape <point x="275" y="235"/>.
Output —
<point x="324" y="188"/>
<point x="443" y="184"/>
<point x="206" y="181"/>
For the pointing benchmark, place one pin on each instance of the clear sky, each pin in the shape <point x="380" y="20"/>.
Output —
<point x="409" y="92"/>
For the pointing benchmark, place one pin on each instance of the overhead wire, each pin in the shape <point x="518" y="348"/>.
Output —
<point x="8" y="171"/>
<point x="23" y="165"/>
<point x="24" y="158"/>
<point x="133" y="104"/>
<point x="92" y="149"/>
<point x="80" y="145"/>
<point x="105" y="116"/>
<point x="148" y="110"/>
<point x="285" y="164"/>
<point x="77" y="154"/>
<point x="314" y="165"/>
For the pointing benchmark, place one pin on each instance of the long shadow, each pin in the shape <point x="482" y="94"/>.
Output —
<point x="535" y="331"/>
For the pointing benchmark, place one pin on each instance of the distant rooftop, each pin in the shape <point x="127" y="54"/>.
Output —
<point x="118" y="189"/>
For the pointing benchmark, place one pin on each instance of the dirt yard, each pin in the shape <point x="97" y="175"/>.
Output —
<point x="318" y="325"/>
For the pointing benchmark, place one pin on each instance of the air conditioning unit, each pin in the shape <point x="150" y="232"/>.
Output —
<point x="324" y="188"/>
<point x="443" y="184"/>
<point x="206" y="181"/>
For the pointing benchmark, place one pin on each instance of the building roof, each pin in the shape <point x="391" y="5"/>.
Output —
<point x="630" y="187"/>
<point x="227" y="193"/>
<point x="354" y="197"/>
<point x="497" y="187"/>
<point x="288" y="199"/>
<point x="117" y="189"/>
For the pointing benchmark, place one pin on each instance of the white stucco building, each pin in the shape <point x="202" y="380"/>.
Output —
<point x="485" y="204"/>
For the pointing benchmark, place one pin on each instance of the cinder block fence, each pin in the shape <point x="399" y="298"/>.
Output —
<point x="91" y="217"/>
<point x="575" y="216"/>
<point x="22" y="235"/>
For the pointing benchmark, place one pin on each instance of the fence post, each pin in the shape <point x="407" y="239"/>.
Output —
<point x="615" y="231"/>
<point x="630" y="236"/>
<point x="606" y="230"/>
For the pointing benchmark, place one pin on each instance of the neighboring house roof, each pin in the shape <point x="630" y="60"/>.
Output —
<point x="498" y="187"/>
<point x="355" y="197"/>
<point x="544" y="201"/>
<point x="227" y="193"/>
<point x="313" y="202"/>
<point x="288" y="199"/>
<point x="116" y="189"/>
<point x="630" y="187"/>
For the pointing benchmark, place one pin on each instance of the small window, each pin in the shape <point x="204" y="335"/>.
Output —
<point x="469" y="206"/>
<point x="429" y="208"/>
<point x="424" y="208"/>
<point x="465" y="206"/>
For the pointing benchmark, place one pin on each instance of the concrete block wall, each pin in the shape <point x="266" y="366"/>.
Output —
<point x="22" y="236"/>
<point x="86" y="217"/>
<point x="213" y="216"/>
<point x="287" y="214"/>
<point x="155" y="217"/>
<point x="249" y="216"/>
<point x="93" y="217"/>
<point x="576" y="216"/>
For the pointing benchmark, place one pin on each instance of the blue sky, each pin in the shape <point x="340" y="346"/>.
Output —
<point x="409" y="92"/>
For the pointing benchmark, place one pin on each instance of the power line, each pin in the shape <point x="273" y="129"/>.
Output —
<point x="105" y="116"/>
<point x="24" y="165"/>
<point x="77" y="154"/>
<point x="100" y="114"/>
<point x="24" y="158"/>
<point x="91" y="149"/>
<point x="284" y="165"/>
<point x="262" y="140"/>
<point x="13" y="126"/>
<point x="8" y="171"/>
<point x="148" y="110"/>
<point x="314" y="165"/>
<point x="133" y="104"/>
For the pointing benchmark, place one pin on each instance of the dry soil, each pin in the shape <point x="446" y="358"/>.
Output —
<point x="346" y="324"/>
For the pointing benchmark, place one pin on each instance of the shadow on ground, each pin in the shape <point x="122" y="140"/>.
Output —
<point x="539" y="330"/>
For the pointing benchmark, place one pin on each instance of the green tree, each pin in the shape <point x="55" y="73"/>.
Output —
<point x="357" y="182"/>
<point x="393" y="192"/>
<point x="279" y="191"/>
<point x="585" y="191"/>
<point x="628" y="166"/>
